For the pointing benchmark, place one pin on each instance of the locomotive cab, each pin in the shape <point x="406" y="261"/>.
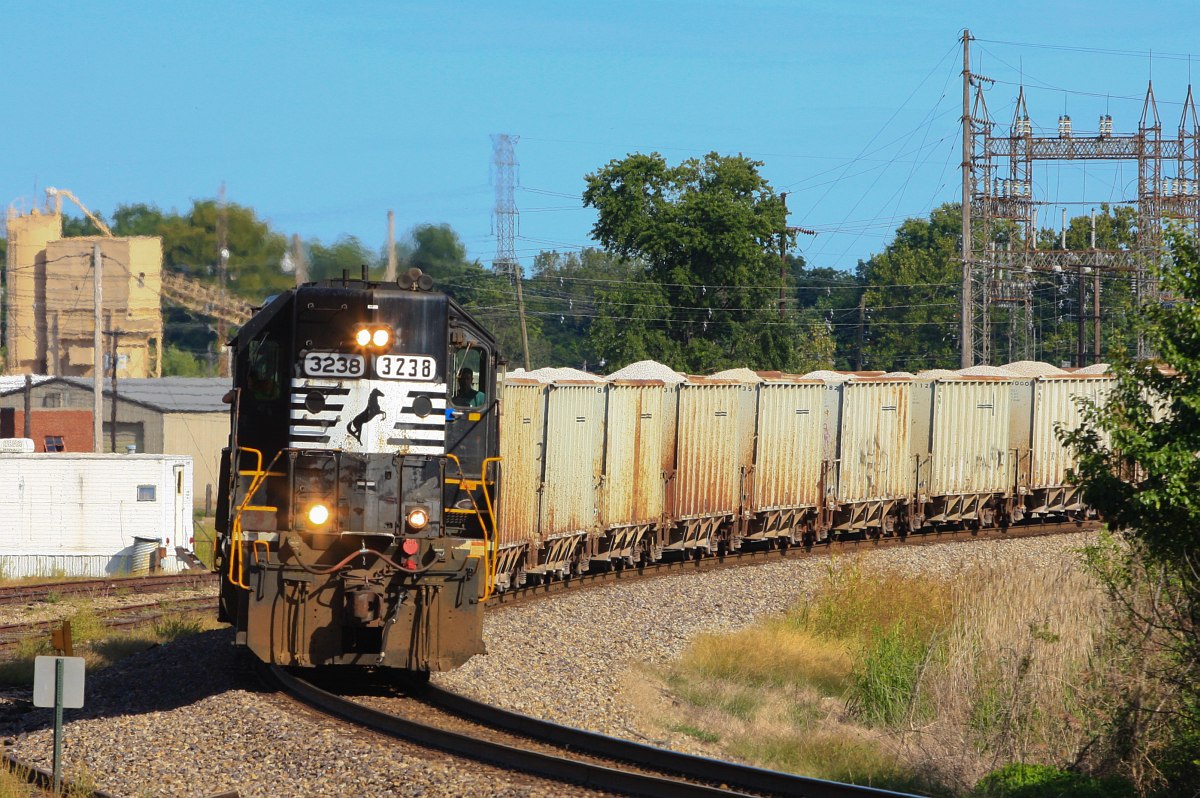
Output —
<point x="357" y="516"/>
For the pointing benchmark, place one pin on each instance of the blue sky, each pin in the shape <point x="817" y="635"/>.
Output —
<point x="322" y="116"/>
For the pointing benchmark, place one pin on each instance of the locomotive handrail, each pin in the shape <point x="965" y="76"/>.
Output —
<point x="258" y="477"/>
<point x="492" y="551"/>
<point x="489" y="541"/>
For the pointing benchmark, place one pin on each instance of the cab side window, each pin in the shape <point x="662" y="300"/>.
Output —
<point x="263" y="376"/>
<point x="469" y="388"/>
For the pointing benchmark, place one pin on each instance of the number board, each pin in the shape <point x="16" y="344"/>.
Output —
<point x="405" y="367"/>
<point x="333" y="364"/>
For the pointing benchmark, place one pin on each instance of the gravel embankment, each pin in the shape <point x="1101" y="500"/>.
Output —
<point x="568" y="660"/>
<point x="189" y="719"/>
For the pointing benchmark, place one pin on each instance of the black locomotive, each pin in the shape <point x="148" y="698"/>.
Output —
<point x="356" y="521"/>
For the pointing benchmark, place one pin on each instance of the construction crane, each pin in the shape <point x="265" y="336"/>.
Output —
<point x="206" y="300"/>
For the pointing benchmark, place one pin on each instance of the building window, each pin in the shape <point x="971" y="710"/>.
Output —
<point x="54" y="443"/>
<point x="53" y="399"/>
<point x="147" y="493"/>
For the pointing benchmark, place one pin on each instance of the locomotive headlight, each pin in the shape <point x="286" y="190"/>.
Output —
<point x="362" y="337"/>
<point x="381" y="337"/>
<point x="318" y="514"/>
<point x="418" y="517"/>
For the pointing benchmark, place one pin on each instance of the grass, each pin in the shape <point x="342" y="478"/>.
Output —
<point x="101" y="647"/>
<point x="906" y="683"/>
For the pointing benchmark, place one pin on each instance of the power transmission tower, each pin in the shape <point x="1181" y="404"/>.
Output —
<point x="504" y="169"/>
<point x="998" y="206"/>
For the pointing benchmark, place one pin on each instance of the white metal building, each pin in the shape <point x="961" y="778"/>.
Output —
<point x="74" y="514"/>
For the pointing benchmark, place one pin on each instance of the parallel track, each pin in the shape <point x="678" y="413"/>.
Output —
<point x="439" y="719"/>
<point x="127" y="617"/>
<point x="22" y="594"/>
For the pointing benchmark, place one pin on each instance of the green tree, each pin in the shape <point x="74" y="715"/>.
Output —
<point x="562" y="291"/>
<point x="490" y="297"/>
<point x="830" y="297"/>
<point x="912" y="296"/>
<point x="1139" y="464"/>
<point x="346" y="255"/>
<point x="702" y="238"/>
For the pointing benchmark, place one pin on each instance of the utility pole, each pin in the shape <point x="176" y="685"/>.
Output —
<point x="967" y="334"/>
<point x="504" y="162"/>
<point x="112" y="431"/>
<point x="1081" y="320"/>
<point x="97" y="350"/>
<point x="1095" y="296"/>
<point x="390" y="275"/>
<point x="222" y="263"/>
<point x="298" y="259"/>
<point x="862" y="330"/>
<point x="783" y="253"/>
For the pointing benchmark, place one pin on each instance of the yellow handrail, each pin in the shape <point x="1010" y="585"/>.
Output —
<point x="490" y="541"/>
<point x="495" y="547"/>
<point x="236" y="559"/>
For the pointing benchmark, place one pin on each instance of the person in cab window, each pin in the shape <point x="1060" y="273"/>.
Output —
<point x="466" y="395"/>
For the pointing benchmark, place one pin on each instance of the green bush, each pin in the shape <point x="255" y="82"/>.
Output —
<point x="884" y="683"/>
<point x="1019" y="780"/>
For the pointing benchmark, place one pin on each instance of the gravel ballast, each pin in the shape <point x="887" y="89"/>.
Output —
<point x="190" y="719"/>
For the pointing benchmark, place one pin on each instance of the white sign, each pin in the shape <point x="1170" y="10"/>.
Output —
<point x="333" y="364"/>
<point x="405" y="367"/>
<point x="72" y="683"/>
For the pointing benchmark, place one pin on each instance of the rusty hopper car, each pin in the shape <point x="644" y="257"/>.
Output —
<point x="356" y="523"/>
<point x="1039" y="407"/>
<point x="960" y="446"/>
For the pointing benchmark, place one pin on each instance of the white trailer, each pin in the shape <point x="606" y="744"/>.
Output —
<point x="96" y="515"/>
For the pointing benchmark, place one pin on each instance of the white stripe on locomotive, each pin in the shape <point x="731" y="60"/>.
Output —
<point x="368" y="416"/>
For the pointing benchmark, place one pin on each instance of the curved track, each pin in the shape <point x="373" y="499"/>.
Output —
<point x="440" y="719"/>
<point x="752" y="555"/>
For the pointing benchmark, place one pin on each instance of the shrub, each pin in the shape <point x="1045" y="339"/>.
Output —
<point x="1019" y="780"/>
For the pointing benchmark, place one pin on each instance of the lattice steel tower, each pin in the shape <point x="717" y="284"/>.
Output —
<point x="504" y="175"/>
<point x="998" y="196"/>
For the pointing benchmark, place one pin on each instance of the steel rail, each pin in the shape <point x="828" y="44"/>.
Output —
<point x="737" y="776"/>
<point x="18" y="594"/>
<point x="557" y="768"/>
<point x="753" y="555"/>
<point x="44" y="780"/>
<point x="12" y="634"/>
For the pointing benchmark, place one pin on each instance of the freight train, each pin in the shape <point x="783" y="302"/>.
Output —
<point x="383" y="478"/>
<point x="620" y="471"/>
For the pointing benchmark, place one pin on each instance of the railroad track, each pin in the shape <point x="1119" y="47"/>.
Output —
<point x="436" y="717"/>
<point x="128" y="617"/>
<point x="750" y="555"/>
<point x="23" y="594"/>
<point x="432" y="717"/>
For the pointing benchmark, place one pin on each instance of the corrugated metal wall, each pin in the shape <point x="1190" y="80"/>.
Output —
<point x="872" y="440"/>
<point x="635" y="434"/>
<point x="1054" y="404"/>
<point x="711" y="448"/>
<point x="573" y="452"/>
<point x="787" y="463"/>
<point x="969" y="437"/>
<point x="522" y="426"/>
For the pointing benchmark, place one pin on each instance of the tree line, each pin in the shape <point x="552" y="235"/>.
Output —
<point x="693" y="265"/>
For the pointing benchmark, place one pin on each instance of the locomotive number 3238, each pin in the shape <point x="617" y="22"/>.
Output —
<point x="333" y="364"/>
<point x="405" y="367"/>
